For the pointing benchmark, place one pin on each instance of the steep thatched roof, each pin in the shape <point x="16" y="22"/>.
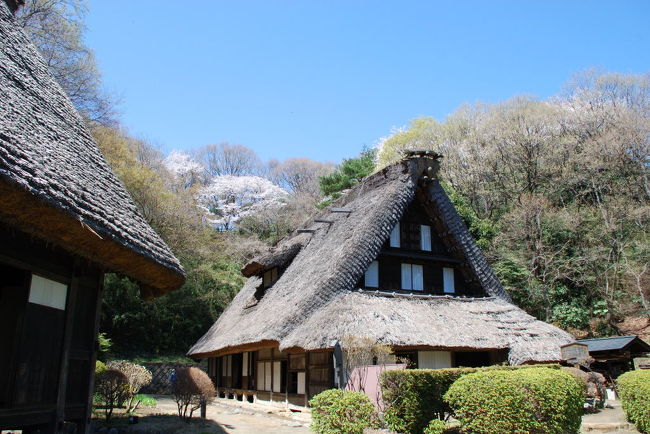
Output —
<point x="316" y="302"/>
<point x="54" y="181"/>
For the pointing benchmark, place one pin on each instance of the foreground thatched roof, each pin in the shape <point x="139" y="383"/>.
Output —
<point x="315" y="301"/>
<point x="54" y="181"/>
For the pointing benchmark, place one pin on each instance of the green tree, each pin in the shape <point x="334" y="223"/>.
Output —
<point x="349" y="173"/>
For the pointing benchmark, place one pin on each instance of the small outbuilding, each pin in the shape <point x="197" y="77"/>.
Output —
<point x="65" y="220"/>
<point x="615" y="355"/>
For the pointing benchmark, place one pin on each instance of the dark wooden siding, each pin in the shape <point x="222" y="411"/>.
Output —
<point x="48" y="354"/>
<point x="409" y="252"/>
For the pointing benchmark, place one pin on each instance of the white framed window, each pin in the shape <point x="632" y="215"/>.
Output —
<point x="425" y="238"/>
<point x="448" y="285"/>
<point x="48" y="292"/>
<point x="372" y="275"/>
<point x="412" y="277"/>
<point x="395" y="236"/>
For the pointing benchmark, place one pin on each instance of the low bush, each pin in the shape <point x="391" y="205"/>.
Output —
<point x="191" y="387"/>
<point x="538" y="400"/>
<point x="413" y="397"/>
<point x="99" y="367"/>
<point x="137" y="377"/>
<point x="436" y="426"/>
<point x="110" y="386"/>
<point x="634" y="390"/>
<point x="342" y="411"/>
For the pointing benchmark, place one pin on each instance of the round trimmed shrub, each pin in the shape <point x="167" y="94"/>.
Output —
<point x="436" y="426"/>
<point x="342" y="411"/>
<point x="634" y="390"/>
<point x="192" y="387"/>
<point x="536" y="400"/>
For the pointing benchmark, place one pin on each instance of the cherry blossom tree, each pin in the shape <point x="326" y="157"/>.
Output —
<point x="227" y="199"/>
<point x="186" y="171"/>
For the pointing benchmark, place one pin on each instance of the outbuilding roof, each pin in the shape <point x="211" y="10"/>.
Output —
<point x="614" y="343"/>
<point x="54" y="181"/>
<point x="316" y="300"/>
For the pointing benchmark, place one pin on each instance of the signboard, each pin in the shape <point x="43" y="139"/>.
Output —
<point x="574" y="352"/>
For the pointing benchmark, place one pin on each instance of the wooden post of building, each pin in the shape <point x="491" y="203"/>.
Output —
<point x="65" y="352"/>
<point x="272" y="369"/>
<point x="93" y="357"/>
<point x="306" y="378"/>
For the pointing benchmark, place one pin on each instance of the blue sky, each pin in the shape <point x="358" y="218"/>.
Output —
<point x="321" y="79"/>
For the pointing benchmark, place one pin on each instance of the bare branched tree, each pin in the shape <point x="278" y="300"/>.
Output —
<point x="57" y="27"/>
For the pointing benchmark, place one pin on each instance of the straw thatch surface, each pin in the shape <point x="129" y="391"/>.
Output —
<point x="312" y="304"/>
<point x="61" y="187"/>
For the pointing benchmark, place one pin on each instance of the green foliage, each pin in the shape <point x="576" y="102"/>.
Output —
<point x="342" y="411"/>
<point x="413" y="397"/>
<point x="528" y="400"/>
<point x="634" y="389"/>
<point x="105" y="345"/>
<point x="145" y="400"/>
<point x="171" y="323"/>
<point x="99" y="367"/>
<point x="349" y="173"/>
<point x="436" y="426"/>
<point x="482" y="229"/>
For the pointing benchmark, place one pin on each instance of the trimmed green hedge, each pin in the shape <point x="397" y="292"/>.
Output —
<point x="634" y="391"/>
<point x="413" y="397"/>
<point x="342" y="411"/>
<point x="529" y="400"/>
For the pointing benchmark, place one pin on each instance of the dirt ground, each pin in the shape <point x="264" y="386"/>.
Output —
<point x="223" y="416"/>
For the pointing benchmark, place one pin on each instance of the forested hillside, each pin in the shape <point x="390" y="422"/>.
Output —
<point x="556" y="191"/>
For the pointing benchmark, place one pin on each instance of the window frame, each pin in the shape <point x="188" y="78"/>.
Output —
<point x="407" y="269"/>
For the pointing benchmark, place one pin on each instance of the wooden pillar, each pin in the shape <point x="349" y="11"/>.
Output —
<point x="306" y="378"/>
<point x="70" y="310"/>
<point x="272" y="369"/>
<point x="85" y="426"/>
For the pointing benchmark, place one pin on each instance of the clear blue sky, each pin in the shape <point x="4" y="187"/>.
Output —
<point x="321" y="79"/>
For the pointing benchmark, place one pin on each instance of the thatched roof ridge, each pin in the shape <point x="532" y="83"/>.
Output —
<point x="314" y="302"/>
<point x="55" y="182"/>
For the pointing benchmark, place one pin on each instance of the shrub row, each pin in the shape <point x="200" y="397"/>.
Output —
<point x="413" y="397"/>
<point x="634" y="391"/>
<point x="527" y="400"/>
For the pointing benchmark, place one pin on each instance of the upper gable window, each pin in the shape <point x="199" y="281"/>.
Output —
<point x="448" y="284"/>
<point x="395" y="236"/>
<point x="412" y="277"/>
<point x="270" y="277"/>
<point x="372" y="275"/>
<point x="425" y="238"/>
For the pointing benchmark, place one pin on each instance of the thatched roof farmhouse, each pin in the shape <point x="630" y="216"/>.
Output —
<point x="65" y="220"/>
<point x="391" y="261"/>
